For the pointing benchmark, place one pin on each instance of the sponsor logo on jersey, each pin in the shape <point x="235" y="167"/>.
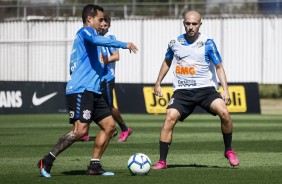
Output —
<point x="181" y="70"/>
<point x="200" y="44"/>
<point x="38" y="101"/>
<point x="182" y="41"/>
<point x="186" y="83"/>
<point x="172" y="42"/>
<point x="181" y="58"/>
<point x="10" y="99"/>
<point x="86" y="31"/>
<point x="69" y="88"/>
<point x="73" y="65"/>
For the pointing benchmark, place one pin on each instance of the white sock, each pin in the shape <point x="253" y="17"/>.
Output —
<point x="93" y="159"/>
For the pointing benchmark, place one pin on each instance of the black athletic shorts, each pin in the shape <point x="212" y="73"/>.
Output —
<point x="185" y="101"/>
<point x="87" y="107"/>
<point x="107" y="88"/>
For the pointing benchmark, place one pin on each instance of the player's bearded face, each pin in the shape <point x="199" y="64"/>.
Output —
<point x="192" y="25"/>
<point x="192" y="28"/>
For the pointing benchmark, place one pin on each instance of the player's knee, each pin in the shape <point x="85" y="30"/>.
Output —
<point x="224" y="115"/>
<point x="73" y="135"/>
<point x="80" y="133"/>
<point x="170" y="121"/>
<point x="110" y="127"/>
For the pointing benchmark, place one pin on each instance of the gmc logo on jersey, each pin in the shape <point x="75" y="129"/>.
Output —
<point x="180" y="70"/>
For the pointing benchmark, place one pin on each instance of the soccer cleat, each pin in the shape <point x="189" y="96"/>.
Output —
<point x="160" y="165"/>
<point x="44" y="168"/>
<point x="115" y="133"/>
<point x="232" y="158"/>
<point x="96" y="169"/>
<point x="124" y="135"/>
<point x="85" y="138"/>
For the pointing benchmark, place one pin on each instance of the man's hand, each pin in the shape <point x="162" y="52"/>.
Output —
<point x="158" y="90"/>
<point x="105" y="59"/>
<point x="226" y="97"/>
<point x="132" y="47"/>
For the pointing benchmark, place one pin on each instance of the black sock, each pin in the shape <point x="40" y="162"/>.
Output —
<point x="164" y="147"/>
<point x="227" y="138"/>
<point x="49" y="159"/>
<point x="94" y="162"/>
<point x="123" y="127"/>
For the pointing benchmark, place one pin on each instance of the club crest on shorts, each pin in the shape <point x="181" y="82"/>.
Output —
<point x="71" y="114"/>
<point x="86" y="114"/>
<point x="171" y="101"/>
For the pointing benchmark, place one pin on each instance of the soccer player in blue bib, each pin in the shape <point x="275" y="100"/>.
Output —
<point x="111" y="55"/>
<point x="195" y="62"/>
<point x="83" y="92"/>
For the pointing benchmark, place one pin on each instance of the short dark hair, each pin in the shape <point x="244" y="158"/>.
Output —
<point x="107" y="19"/>
<point x="90" y="10"/>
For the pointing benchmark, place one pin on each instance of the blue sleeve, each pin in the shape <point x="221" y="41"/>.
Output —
<point x="212" y="52"/>
<point x="169" y="54"/>
<point x="112" y="49"/>
<point x="89" y="34"/>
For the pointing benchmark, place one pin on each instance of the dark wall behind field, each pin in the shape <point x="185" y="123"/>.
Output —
<point x="49" y="97"/>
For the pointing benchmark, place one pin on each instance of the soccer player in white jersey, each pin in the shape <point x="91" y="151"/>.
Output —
<point x="84" y="99"/>
<point x="195" y="62"/>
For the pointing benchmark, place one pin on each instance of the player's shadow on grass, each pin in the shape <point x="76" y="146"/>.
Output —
<point x="193" y="165"/>
<point x="75" y="172"/>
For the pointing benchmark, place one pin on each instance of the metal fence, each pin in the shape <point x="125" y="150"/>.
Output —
<point x="40" y="50"/>
<point x="56" y="9"/>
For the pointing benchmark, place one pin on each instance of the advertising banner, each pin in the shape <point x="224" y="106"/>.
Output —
<point x="32" y="97"/>
<point x="244" y="98"/>
<point x="49" y="97"/>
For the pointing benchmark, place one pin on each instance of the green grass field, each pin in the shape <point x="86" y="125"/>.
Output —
<point x="195" y="156"/>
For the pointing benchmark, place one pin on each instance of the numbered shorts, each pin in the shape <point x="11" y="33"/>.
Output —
<point x="87" y="107"/>
<point x="107" y="88"/>
<point x="185" y="101"/>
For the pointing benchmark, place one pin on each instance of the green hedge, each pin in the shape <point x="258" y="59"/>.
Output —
<point x="270" y="91"/>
